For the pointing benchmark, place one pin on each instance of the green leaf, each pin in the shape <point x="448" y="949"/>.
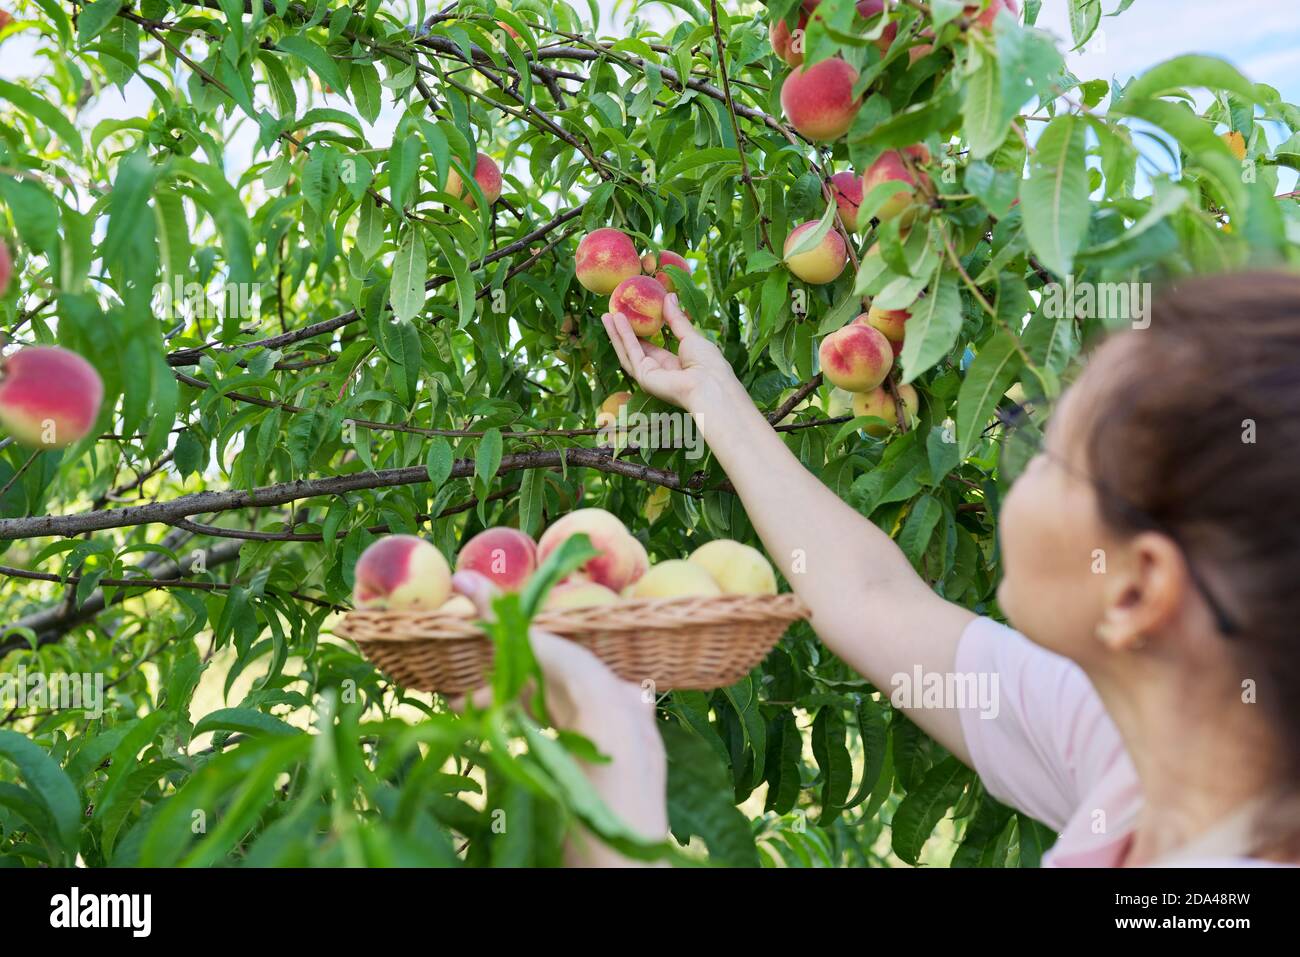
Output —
<point x="926" y="806"/>
<point x="933" y="326"/>
<point x="310" y="53"/>
<point x="987" y="379"/>
<point x="410" y="269"/>
<point x="41" y="108"/>
<point x="95" y="17"/>
<point x="700" y="800"/>
<point x="244" y="721"/>
<point x="49" y="785"/>
<point x="1054" y="199"/>
<point x="488" y="458"/>
<point x="438" y="461"/>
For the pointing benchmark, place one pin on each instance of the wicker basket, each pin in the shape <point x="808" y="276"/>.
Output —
<point x="685" y="643"/>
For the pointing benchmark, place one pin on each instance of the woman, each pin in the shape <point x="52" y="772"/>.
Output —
<point x="1149" y="703"/>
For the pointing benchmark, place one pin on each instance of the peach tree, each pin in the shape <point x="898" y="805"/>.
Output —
<point x="322" y="259"/>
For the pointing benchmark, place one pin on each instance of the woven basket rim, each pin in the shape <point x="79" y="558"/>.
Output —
<point x="639" y="614"/>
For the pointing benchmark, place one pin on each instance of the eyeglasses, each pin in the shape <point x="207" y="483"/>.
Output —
<point x="1023" y="441"/>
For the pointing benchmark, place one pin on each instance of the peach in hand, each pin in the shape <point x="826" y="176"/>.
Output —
<point x="821" y="264"/>
<point x="676" y="578"/>
<point x="401" y="573"/>
<point x="49" y="396"/>
<point x="505" y="556"/>
<point x="880" y="404"/>
<point x="819" y="101"/>
<point x="856" y="357"/>
<point x="641" y="300"/>
<point x="618" y="560"/>
<point x="604" y="259"/>
<point x="738" y="569"/>
<point x="488" y="176"/>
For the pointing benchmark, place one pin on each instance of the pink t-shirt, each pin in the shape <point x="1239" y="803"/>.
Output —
<point x="1050" y="750"/>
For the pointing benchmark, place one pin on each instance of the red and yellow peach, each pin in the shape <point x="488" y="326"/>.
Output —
<point x="488" y="176"/>
<point x="856" y="357"/>
<point x="821" y="264"/>
<point x="401" y="573"/>
<point x="819" y="100"/>
<point x="49" y="396"/>
<point x="618" y="561"/>
<point x="889" y="166"/>
<point x="504" y="555"/>
<point x="879" y="404"/>
<point x="604" y="259"/>
<point x="641" y="300"/>
<point x="653" y="265"/>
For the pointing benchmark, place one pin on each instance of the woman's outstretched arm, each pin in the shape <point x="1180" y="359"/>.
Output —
<point x="869" y="606"/>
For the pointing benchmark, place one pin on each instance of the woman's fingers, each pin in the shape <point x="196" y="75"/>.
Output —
<point x="608" y="321"/>
<point x="633" y="348"/>
<point x="481" y="697"/>
<point x="477" y="588"/>
<point x="676" y="317"/>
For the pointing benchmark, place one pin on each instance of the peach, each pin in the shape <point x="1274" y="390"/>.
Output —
<point x="819" y="101"/>
<point x="401" y="572"/>
<point x="604" y="259"/>
<point x="856" y="357"/>
<point x="641" y="300"/>
<point x="6" y="18"/>
<point x="6" y="268"/>
<point x="990" y="10"/>
<point x="618" y="562"/>
<point x="607" y="414"/>
<point x="488" y="176"/>
<point x="879" y="403"/>
<point x="1236" y="142"/>
<point x="892" y="322"/>
<point x="821" y="264"/>
<point x="49" y="397"/>
<point x="579" y="594"/>
<point x="460" y="606"/>
<point x="869" y="10"/>
<point x="788" y="44"/>
<point x="846" y="187"/>
<point x="654" y="266"/>
<point x="676" y="578"/>
<point x="889" y="166"/>
<point x="738" y="569"/>
<point x="507" y="556"/>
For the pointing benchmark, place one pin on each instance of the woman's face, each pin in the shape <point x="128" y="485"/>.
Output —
<point x="1054" y="544"/>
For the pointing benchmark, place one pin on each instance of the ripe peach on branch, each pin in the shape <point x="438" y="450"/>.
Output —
<point x="604" y="259"/>
<point x="49" y="396"/>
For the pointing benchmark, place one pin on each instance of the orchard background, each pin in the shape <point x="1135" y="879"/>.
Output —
<point x="378" y="356"/>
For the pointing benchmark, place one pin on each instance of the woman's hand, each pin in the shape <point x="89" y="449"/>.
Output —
<point x="583" y="695"/>
<point x="581" y="691"/>
<point x="697" y="377"/>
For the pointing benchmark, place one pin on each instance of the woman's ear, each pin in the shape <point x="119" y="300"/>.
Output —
<point x="1144" y="592"/>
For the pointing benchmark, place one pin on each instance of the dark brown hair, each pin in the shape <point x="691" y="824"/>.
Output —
<point x="1201" y="434"/>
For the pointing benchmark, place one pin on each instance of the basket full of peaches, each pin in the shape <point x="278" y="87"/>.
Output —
<point x="699" y="623"/>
